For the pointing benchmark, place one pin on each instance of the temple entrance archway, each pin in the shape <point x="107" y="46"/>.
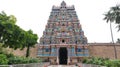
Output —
<point x="63" y="55"/>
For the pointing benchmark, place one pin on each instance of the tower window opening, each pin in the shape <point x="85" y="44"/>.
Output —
<point x="76" y="42"/>
<point x="63" y="31"/>
<point x="63" y="24"/>
<point x="63" y="41"/>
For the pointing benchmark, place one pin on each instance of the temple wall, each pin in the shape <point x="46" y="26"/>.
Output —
<point x="18" y="52"/>
<point x="105" y="50"/>
<point x="95" y="49"/>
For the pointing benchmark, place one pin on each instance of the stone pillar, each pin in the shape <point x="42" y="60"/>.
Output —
<point x="57" y="55"/>
<point x="68" y="50"/>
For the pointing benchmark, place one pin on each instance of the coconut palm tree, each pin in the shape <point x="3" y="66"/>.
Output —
<point x="118" y="40"/>
<point x="113" y="15"/>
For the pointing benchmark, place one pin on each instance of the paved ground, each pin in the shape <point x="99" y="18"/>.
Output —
<point x="62" y="66"/>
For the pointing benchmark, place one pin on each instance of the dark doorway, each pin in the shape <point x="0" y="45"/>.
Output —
<point x="63" y="56"/>
<point x="63" y="41"/>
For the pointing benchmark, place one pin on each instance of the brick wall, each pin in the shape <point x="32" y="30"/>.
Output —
<point x="104" y="50"/>
<point x="18" y="52"/>
<point x="96" y="49"/>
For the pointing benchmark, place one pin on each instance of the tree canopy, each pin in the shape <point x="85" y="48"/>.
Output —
<point x="31" y="40"/>
<point x="12" y="36"/>
<point x="113" y="15"/>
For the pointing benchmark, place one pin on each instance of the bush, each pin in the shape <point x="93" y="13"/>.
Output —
<point x="9" y="55"/>
<point x="113" y="63"/>
<point x="3" y="59"/>
<point x="17" y="60"/>
<point x="22" y="60"/>
<point x="34" y="60"/>
<point x="102" y="61"/>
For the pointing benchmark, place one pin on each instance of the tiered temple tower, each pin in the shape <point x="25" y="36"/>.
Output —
<point x="63" y="40"/>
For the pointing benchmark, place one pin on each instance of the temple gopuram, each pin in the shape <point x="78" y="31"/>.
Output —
<point x="63" y="40"/>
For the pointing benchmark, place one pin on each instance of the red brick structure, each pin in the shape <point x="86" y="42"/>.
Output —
<point x="105" y="50"/>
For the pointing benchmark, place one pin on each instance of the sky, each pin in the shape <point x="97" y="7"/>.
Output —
<point x="33" y="14"/>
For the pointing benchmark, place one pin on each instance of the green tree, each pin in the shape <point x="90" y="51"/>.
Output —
<point x="6" y="24"/>
<point x="31" y="40"/>
<point x="118" y="40"/>
<point x="13" y="36"/>
<point x="7" y="27"/>
<point x="113" y="15"/>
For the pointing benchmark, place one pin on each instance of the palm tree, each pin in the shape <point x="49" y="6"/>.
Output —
<point x="118" y="40"/>
<point x="113" y="15"/>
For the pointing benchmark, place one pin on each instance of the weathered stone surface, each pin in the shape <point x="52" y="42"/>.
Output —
<point x="104" y="50"/>
<point x="96" y="49"/>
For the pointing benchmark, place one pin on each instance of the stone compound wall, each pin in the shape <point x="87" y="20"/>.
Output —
<point x="18" y="52"/>
<point x="105" y="50"/>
